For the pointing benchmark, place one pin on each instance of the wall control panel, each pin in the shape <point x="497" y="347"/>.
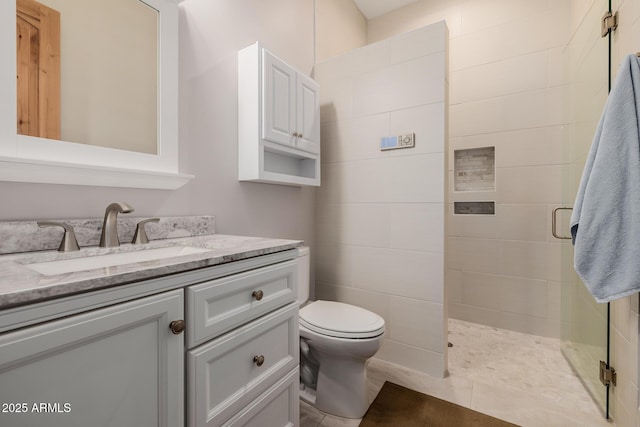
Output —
<point x="401" y="141"/>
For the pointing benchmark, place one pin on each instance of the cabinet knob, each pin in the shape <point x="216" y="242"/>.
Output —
<point x="295" y="135"/>
<point x="177" y="327"/>
<point x="258" y="360"/>
<point x="257" y="295"/>
<point x="300" y="135"/>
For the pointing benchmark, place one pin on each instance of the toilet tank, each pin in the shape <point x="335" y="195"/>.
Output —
<point x="304" y="264"/>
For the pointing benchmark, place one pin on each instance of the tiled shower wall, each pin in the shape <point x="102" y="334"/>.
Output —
<point x="506" y="91"/>
<point x="380" y="214"/>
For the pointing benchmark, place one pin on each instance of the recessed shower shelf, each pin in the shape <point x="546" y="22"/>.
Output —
<point x="474" y="169"/>
<point x="474" y="208"/>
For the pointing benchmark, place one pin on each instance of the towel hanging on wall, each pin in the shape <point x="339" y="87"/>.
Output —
<point x="605" y="224"/>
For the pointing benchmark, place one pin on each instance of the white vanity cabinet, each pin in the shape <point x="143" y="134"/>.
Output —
<point x="243" y="367"/>
<point x="278" y="121"/>
<point x="117" y="356"/>
<point x="111" y="367"/>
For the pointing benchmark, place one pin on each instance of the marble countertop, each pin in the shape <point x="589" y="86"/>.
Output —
<point x="20" y="284"/>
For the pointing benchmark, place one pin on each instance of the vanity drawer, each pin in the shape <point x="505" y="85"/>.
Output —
<point x="225" y="375"/>
<point x="277" y="407"/>
<point x="217" y="306"/>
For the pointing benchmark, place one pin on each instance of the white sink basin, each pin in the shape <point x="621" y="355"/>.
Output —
<point x="50" y="268"/>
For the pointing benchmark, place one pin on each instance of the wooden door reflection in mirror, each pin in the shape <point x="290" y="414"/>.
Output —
<point x="38" y="69"/>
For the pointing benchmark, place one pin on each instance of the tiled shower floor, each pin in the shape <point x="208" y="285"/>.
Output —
<point x="517" y="377"/>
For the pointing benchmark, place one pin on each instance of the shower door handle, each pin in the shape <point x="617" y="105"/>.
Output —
<point x="554" y="223"/>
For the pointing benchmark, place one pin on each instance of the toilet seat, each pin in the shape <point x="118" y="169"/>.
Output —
<point x="341" y="320"/>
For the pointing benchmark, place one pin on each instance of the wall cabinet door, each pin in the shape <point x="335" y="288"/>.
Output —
<point x="279" y="102"/>
<point x="308" y="114"/>
<point x="113" y="367"/>
<point x="291" y="106"/>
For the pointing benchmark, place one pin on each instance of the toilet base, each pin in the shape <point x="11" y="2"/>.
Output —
<point x="342" y="387"/>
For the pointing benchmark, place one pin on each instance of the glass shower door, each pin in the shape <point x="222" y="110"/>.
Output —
<point x="584" y="323"/>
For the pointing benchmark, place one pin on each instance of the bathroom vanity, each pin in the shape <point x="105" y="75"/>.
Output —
<point x="204" y="337"/>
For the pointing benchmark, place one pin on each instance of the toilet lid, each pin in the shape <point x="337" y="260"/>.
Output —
<point x="341" y="320"/>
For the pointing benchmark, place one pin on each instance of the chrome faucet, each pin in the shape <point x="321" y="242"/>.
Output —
<point x="109" y="236"/>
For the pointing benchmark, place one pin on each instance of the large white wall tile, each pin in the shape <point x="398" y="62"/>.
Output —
<point x="471" y="313"/>
<point x="524" y="259"/>
<point x="532" y="184"/>
<point x="411" y="274"/>
<point x="481" y="255"/>
<point x="624" y="358"/>
<point x="512" y="112"/>
<point x="483" y="14"/>
<point x="415" y="16"/>
<point x="409" y="84"/>
<point x="414" y="44"/>
<point x="554" y="300"/>
<point x="510" y="76"/>
<point x="554" y="260"/>
<point x="524" y="147"/>
<point x="511" y="222"/>
<point x="417" y="227"/>
<point x="357" y="138"/>
<point x="509" y="40"/>
<point x="374" y="301"/>
<point x="505" y="293"/>
<point x="399" y="179"/>
<point x="416" y="323"/>
<point x="453" y="285"/>
<point x="416" y="358"/>
<point x="366" y="224"/>
<point x="557" y="73"/>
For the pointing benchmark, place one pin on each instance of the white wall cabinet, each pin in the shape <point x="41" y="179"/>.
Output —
<point x="112" y="367"/>
<point x="278" y="121"/>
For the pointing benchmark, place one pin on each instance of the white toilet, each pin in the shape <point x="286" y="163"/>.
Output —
<point x="336" y="340"/>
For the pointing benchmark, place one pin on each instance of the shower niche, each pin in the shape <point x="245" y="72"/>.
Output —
<point x="474" y="171"/>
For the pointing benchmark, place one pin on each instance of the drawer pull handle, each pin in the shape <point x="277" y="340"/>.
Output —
<point x="177" y="326"/>
<point x="258" y="360"/>
<point x="257" y="295"/>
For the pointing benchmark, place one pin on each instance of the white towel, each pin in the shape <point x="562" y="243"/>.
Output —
<point x="605" y="224"/>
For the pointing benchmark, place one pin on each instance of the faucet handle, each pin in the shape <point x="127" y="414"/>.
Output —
<point x="140" y="235"/>
<point x="69" y="242"/>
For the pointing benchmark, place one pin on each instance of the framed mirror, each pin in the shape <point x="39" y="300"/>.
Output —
<point x="118" y="128"/>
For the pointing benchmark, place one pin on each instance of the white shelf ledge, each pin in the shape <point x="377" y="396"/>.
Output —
<point x="36" y="171"/>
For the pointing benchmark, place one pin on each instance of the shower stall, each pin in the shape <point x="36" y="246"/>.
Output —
<point x="584" y="323"/>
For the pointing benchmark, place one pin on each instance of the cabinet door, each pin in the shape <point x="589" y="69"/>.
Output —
<point x="113" y="367"/>
<point x="278" y="101"/>
<point x="308" y="114"/>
